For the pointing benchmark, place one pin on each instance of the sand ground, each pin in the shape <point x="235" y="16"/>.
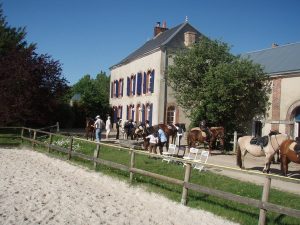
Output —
<point x="37" y="189"/>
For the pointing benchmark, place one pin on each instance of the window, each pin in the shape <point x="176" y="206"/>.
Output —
<point x="121" y="82"/>
<point x="148" y="85"/>
<point x="148" y="112"/>
<point x="171" y="115"/>
<point x="130" y="112"/>
<point x="132" y="84"/>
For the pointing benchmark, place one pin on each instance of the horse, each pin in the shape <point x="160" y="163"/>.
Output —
<point x="269" y="150"/>
<point x="89" y="129"/>
<point x="196" y="136"/>
<point x="287" y="155"/>
<point x="128" y="128"/>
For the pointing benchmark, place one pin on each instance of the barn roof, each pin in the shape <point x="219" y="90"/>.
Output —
<point x="278" y="60"/>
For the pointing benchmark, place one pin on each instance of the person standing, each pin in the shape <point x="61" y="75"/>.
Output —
<point x="98" y="125"/>
<point x="108" y="126"/>
<point x="162" y="140"/>
<point x="118" y="124"/>
<point x="153" y="142"/>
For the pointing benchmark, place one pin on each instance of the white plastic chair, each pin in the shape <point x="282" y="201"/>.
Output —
<point x="203" y="159"/>
<point x="167" y="155"/>
<point x="193" y="153"/>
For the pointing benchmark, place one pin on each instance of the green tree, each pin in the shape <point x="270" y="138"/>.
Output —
<point x="31" y="85"/>
<point x="211" y="83"/>
<point x="94" y="94"/>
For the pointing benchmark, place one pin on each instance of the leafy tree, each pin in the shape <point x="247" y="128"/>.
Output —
<point x="94" y="94"/>
<point x="31" y="84"/>
<point x="212" y="84"/>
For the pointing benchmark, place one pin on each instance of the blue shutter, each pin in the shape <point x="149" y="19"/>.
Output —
<point x="145" y="82"/>
<point x="152" y="82"/>
<point x="150" y="114"/>
<point x="143" y="112"/>
<point x="133" y="88"/>
<point x="139" y="84"/>
<point x="117" y="88"/>
<point x="128" y="86"/>
<point x="127" y="112"/>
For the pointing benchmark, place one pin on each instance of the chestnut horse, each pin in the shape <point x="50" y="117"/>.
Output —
<point x="89" y="129"/>
<point x="287" y="156"/>
<point x="195" y="136"/>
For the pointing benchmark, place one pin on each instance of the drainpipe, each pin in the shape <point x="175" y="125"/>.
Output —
<point x="166" y="85"/>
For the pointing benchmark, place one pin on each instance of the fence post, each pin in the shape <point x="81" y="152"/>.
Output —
<point x="34" y="137"/>
<point x="186" y="180"/>
<point x="57" y="127"/>
<point x="264" y="198"/>
<point x="132" y="164"/>
<point x="234" y="141"/>
<point x="22" y="134"/>
<point x="70" y="148"/>
<point x="96" y="154"/>
<point x="50" y="142"/>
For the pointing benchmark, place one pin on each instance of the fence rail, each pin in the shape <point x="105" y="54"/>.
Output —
<point x="262" y="204"/>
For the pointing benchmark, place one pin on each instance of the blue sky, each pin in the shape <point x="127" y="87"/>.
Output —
<point x="88" y="36"/>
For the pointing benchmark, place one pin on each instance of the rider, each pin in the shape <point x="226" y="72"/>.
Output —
<point x="204" y="128"/>
<point x="297" y="146"/>
<point x="140" y="129"/>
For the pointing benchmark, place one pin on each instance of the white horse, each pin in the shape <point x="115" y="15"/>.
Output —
<point x="244" y="146"/>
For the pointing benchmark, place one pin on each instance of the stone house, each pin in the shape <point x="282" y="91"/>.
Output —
<point x="139" y="90"/>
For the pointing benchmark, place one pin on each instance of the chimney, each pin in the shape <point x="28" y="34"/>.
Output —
<point x="274" y="45"/>
<point x="189" y="38"/>
<point x="158" y="29"/>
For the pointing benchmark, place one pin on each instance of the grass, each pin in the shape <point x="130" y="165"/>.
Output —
<point x="242" y="214"/>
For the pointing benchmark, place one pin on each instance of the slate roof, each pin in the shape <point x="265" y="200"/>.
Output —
<point x="279" y="60"/>
<point x="157" y="42"/>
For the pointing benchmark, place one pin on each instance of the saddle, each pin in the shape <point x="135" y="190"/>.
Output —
<point x="203" y="133"/>
<point x="261" y="141"/>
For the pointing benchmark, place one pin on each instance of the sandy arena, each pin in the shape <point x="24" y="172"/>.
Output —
<point x="37" y="189"/>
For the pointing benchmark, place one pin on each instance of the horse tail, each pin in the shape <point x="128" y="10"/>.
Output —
<point x="238" y="156"/>
<point x="188" y="140"/>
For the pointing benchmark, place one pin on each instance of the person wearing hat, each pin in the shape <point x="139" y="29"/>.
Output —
<point x="108" y="126"/>
<point x="98" y="125"/>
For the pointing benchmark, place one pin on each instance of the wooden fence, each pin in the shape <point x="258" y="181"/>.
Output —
<point x="262" y="204"/>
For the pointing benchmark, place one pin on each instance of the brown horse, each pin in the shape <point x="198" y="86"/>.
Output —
<point x="196" y="136"/>
<point x="89" y="129"/>
<point x="287" y="156"/>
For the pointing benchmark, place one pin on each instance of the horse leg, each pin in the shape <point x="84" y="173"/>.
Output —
<point x="243" y="155"/>
<point x="284" y="165"/>
<point x="268" y="161"/>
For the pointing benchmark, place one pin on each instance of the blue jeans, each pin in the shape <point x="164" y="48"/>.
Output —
<point x="98" y="134"/>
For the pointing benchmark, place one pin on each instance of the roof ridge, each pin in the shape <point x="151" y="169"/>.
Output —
<point x="178" y="29"/>
<point x="265" y="49"/>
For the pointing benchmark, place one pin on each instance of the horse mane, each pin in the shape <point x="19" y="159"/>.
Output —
<point x="274" y="132"/>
